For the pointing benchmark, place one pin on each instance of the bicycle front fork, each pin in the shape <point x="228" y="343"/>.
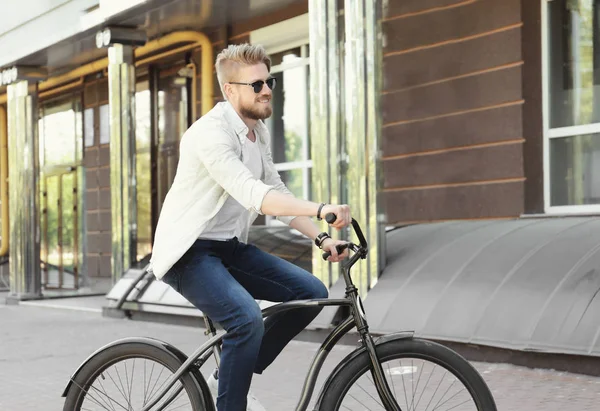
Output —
<point x="383" y="388"/>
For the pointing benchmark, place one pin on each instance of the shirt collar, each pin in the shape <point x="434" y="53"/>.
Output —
<point x="238" y="125"/>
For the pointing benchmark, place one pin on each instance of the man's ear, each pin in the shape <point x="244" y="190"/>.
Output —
<point x="229" y="91"/>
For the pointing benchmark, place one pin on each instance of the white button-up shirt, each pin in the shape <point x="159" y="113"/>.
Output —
<point x="210" y="170"/>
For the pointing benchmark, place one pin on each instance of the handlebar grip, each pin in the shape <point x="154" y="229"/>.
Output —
<point x="340" y="249"/>
<point x="330" y="218"/>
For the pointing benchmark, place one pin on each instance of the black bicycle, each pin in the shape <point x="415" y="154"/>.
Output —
<point x="393" y="372"/>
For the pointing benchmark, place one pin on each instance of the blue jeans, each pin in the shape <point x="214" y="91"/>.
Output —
<point x="223" y="279"/>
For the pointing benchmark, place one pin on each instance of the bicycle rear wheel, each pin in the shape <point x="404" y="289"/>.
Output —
<point x="421" y="374"/>
<point x="127" y="376"/>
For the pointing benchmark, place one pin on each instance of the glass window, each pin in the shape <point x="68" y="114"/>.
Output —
<point x="574" y="63"/>
<point x="104" y="124"/>
<point x="573" y="113"/>
<point x="290" y="138"/>
<point x="88" y="121"/>
<point x="575" y="163"/>
<point x="58" y="135"/>
<point x="143" y="166"/>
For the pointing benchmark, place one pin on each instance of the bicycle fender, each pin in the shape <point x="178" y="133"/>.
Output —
<point x="144" y="340"/>
<point x="403" y="335"/>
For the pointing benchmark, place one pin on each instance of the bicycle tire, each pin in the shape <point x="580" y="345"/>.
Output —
<point x="112" y="355"/>
<point x="436" y="353"/>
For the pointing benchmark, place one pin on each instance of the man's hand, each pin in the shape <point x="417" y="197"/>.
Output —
<point x="342" y="212"/>
<point x="329" y="245"/>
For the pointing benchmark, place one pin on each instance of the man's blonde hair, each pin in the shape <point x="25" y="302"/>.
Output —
<point x="230" y="59"/>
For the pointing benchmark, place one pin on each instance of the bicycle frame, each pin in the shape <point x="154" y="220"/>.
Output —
<point x="357" y="318"/>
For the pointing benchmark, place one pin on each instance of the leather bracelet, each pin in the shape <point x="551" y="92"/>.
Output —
<point x="319" y="211"/>
<point x="320" y="238"/>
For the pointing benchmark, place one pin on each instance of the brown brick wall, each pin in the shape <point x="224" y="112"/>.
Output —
<point x="452" y="110"/>
<point x="96" y="159"/>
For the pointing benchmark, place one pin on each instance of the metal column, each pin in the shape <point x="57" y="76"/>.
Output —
<point x="25" y="272"/>
<point x="375" y="183"/>
<point x="319" y="122"/>
<point x="362" y="75"/>
<point x="121" y="87"/>
<point x="327" y="155"/>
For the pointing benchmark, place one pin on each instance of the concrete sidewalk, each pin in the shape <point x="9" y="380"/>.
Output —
<point x="41" y="345"/>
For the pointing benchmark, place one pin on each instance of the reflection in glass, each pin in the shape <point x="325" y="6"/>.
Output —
<point x="53" y="225"/>
<point x="88" y="121"/>
<point x="172" y="123"/>
<point x="68" y="222"/>
<point x="58" y="143"/>
<point x="293" y="179"/>
<point x="104" y="124"/>
<point x="574" y="55"/>
<point x="143" y="175"/>
<point x="290" y="140"/>
<point x="575" y="165"/>
<point x="60" y="140"/>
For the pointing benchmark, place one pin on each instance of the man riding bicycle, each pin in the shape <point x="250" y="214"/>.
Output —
<point x="225" y="178"/>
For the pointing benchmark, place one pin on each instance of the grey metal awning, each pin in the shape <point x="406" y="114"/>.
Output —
<point x="526" y="284"/>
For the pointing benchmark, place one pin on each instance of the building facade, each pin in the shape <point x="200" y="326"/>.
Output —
<point x="410" y="111"/>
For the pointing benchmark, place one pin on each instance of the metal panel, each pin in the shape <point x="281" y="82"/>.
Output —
<point x="319" y="119"/>
<point x="528" y="284"/>
<point x="335" y="100"/>
<point x="39" y="25"/>
<point x="25" y="280"/>
<point x="354" y="113"/>
<point x="121" y="84"/>
<point x="374" y="69"/>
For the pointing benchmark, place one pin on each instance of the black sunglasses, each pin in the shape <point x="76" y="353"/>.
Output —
<point x="258" y="85"/>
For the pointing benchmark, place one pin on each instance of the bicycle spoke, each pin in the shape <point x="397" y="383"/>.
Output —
<point x="403" y="385"/>
<point x="392" y="379"/>
<point x="433" y="396"/>
<point x="176" y="408"/>
<point x="122" y="392"/>
<point x="448" y="400"/>
<point x="412" y="402"/>
<point x="161" y="386"/>
<point x="427" y="390"/>
<point x="132" y="371"/>
<point x="154" y="386"/>
<point x="436" y="405"/>
<point x="423" y="392"/>
<point x="95" y="400"/>
<point x="125" y="384"/>
<point x="360" y="402"/>
<point x="101" y="385"/>
<point x="147" y="387"/>
<point x="458" y="405"/>
<point x="373" y="398"/>
<point x="412" y="382"/>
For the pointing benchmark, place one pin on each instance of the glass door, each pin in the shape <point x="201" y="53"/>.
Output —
<point x="162" y="116"/>
<point x="60" y="128"/>
<point x="173" y="121"/>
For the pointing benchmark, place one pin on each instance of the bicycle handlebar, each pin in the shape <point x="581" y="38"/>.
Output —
<point x="330" y="218"/>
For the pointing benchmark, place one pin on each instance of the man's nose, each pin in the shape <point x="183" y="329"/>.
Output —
<point x="266" y="88"/>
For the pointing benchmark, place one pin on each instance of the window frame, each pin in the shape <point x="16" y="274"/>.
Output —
<point x="560" y="132"/>
<point x="277" y="38"/>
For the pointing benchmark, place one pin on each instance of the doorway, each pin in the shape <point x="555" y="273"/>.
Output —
<point x="60" y="127"/>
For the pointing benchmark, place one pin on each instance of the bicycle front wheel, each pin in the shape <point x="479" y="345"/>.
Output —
<point x="421" y="374"/>
<point x="127" y="377"/>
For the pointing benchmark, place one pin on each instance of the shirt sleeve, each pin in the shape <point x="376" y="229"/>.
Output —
<point x="216" y="149"/>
